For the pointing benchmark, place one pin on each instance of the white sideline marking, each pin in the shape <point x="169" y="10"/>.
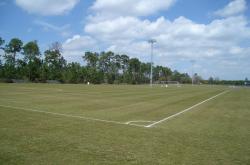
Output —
<point x="139" y="121"/>
<point x="138" y="125"/>
<point x="185" y="110"/>
<point x="72" y="116"/>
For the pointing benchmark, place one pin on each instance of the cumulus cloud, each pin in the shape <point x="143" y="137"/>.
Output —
<point x="47" y="7"/>
<point x="181" y="37"/>
<point x="235" y="7"/>
<point x="178" y="40"/>
<point x="130" y="7"/>
<point x="75" y="47"/>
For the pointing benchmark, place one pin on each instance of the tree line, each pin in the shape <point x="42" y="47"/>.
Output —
<point x="25" y="62"/>
<point x="217" y="81"/>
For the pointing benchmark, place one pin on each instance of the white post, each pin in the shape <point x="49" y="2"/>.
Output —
<point x="151" y="41"/>
<point x="192" y="61"/>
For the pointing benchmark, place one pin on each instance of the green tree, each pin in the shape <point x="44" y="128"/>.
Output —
<point x="44" y="72"/>
<point x="32" y="57"/>
<point x="211" y="80"/>
<point x="145" y="72"/>
<point x="116" y="68"/>
<point x="21" y="69"/>
<point x="1" y="43"/>
<point x="54" y="63"/>
<point x="185" y="78"/>
<point x="106" y="65"/>
<point x="1" y="65"/>
<point x="73" y="73"/>
<point x="91" y="59"/>
<point x="124" y="59"/>
<point x="176" y="76"/>
<point x="94" y="76"/>
<point x="161" y="73"/>
<point x="134" y="70"/>
<point x="12" y="48"/>
<point x="158" y="73"/>
<point x="124" y="62"/>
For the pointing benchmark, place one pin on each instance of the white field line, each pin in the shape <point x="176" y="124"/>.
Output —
<point x="71" y="116"/>
<point x="138" y="125"/>
<point x="185" y="110"/>
<point x="139" y="121"/>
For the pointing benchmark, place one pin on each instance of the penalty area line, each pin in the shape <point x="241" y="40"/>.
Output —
<point x="71" y="116"/>
<point x="185" y="110"/>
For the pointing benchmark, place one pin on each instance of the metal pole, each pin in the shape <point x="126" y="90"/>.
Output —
<point x="192" y="61"/>
<point x="151" y="41"/>
<point x="151" y="69"/>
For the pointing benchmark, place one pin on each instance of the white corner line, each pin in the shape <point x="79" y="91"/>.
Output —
<point x="139" y="121"/>
<point x="71" y="116"/>
<point x="185" y="110"/>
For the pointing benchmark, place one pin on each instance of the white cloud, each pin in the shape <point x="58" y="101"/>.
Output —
<point x="75" y="47"/>
<point x="79" y="42"/>
<point x="119" y="28"/>
<point x="130" y="7"/>
<point x="181" y="37"/>
<point x="178" y="40"/>
<point x="47" y="7"/>
<point x="62" y="30"/>
<point x="235" y="7"/>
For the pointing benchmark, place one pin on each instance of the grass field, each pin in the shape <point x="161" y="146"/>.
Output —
<point x="105" y="124"/>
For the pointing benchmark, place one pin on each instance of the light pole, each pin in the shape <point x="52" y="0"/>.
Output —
<point x="151" y="42"/>
<point x="192" y="62"/>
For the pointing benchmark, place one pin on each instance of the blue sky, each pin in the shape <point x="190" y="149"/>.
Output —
<point x="216" y="34"/>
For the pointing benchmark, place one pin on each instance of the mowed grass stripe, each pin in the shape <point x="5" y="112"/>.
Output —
<point x="64" y="99"/>
<point x="217" y="134"/>
<point x="150" y="107"/>
<point x="186" y="110"/>
<point x="155" y="111"/>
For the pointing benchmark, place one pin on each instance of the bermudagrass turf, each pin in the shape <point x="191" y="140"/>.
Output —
<point x="216" y="132"/>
